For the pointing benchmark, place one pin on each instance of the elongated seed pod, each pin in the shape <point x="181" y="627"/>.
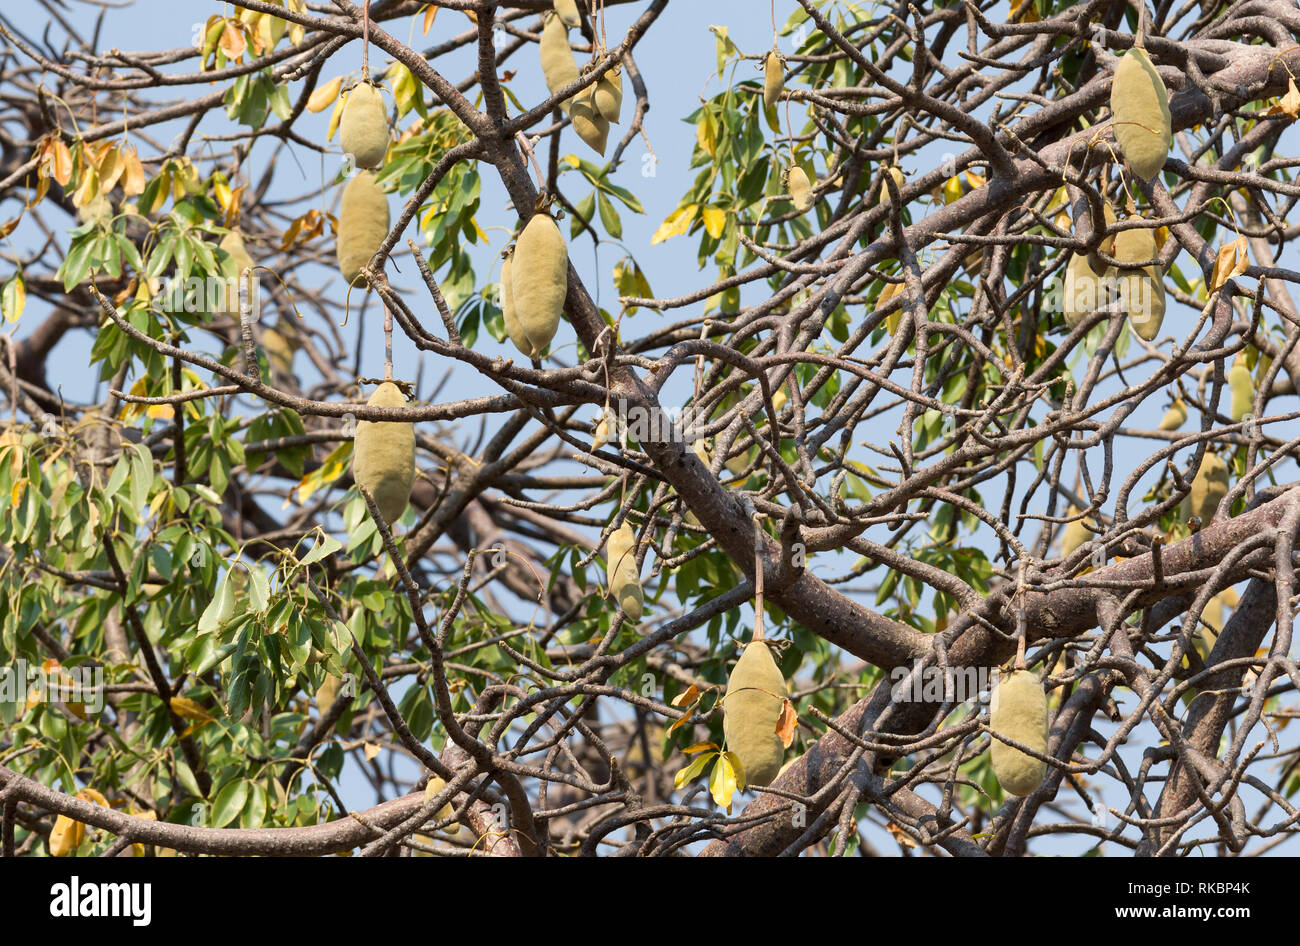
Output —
<point x="1019" y="711"/>
<point x="1139" y="103"/>
<point x="1242" y="385"/>
<point x="432" y="790"/>
<point x="1076" y="533"/>
<point x="621" y="569"/>
<point x="558" y="65"/>
<point x="751" y="709"/>
<point x="1209" y="486"/>
<point x="1175" y="417"/>
<point x="590" y="125"/>
<point x="567" y="11"/>
<point x="539" y="278"/>
<point x="1107" y="244"/>
<point x="513" y="328"/>
<point x="608" y="94"/>
<point x="383" y="455"/>
<point x="1085" y="291"/>
<point x="773" y="77"/>
<point x="363" y="129"/>
<point x="800" y="189"/>
<point x="1141" y="288"/>
<point x="363" y="224"/>
<point x="899" y="180"/>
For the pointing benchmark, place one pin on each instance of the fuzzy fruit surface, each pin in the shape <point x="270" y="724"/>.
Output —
<point x="363" y="224"/>
<point x="751" y="709"/>
<point x="1019" y="712"/>
<point x="383" y="455"/>
<point x="1139" y="102"/>
<point x="539" y="279"/>
<point x="363" y="130"/>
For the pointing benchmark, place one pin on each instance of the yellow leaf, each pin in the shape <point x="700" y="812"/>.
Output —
<point x="329" y="471"/>
<point x="699" y="747"/>
<point x="973" y="180"/>
<point x="697" y="765"/>
<point x="690" y="695"/>
<point x="1232" y="260"/>
<point x="20" y="487"/>
<point x="132" y="172"/>
<point x="430" y="12"/>
<point x="722" y="783"/>
<point x="335" y="116"/>
<point x="325" y="95"/>
<point x="371" y="750"/>
<point x="678" y="223"/>
<point x="714" y="220"/>
<point x="186" y="708"/>
<point x="1023" y="10"/>
<point x="60" y="162"/>
<point x="13" y="298"/>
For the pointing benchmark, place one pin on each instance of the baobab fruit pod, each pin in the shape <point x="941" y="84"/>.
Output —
<point x="1107" y="244"/>
<point x="773" y="77"/>
<point x="621" y="569"/>
<point x="383" y="455"/>
<point x="1242" y="386"/>
<point x="363" y="129"/>
<point x="1084" y="291"/>
<point x="328" y="693"/>
<point x="1139" y="104"/>
<point x="279" y="352"/>
<point x="1141" y="288"/>
<point x="432" y="790"/>
<point x="588" y="122"/>
<point x="608" y="94"/>
<point x="1019" y="711"/>
<point x="567" y="11"/>
<point x="1175" y="417"/>
<point x="751" y="709"/>
<point x="895" y="318"/>
<point x="1209" y="486"/>
<point x="513" y="328"/>
<point x="539" y="278"/>
<point x="558" y="64"/>
<point x="1076" y="533"/>
<point x="363" y="224"/>
<point x="899" y="180"/>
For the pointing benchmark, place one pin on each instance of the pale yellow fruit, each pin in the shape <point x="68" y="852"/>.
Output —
<point x="558" y="65"/>
<point x="1175" y="417"/>
<point x="513" y="328"/>
<point x="608" y="94"/>
<point x="539" y="279"/>
<point x="1141" y="288"/>
<point x="383" y="455"/>
<point x="1139" y="103"/>
<point x="363" y="224"/>
<point x="363" y="129"/>
<point x="590" y="125"/>
<point x="751" y="710"/>
<point x="621" y="568"/>
<point x="1085" y="293"/>
<point x="1076" y="533"/>
<point x="567" y="11"/>
<point x="800" y="189"/>
<point x="773" y="78"/>
<point x="1242" y="385"/>
<point x="1209" y="486"/>
<point x="432" y="790"/>
<point x="899" y="180"/>
<point x="1107" y="244"/>
<point x="1019" y="711"/>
